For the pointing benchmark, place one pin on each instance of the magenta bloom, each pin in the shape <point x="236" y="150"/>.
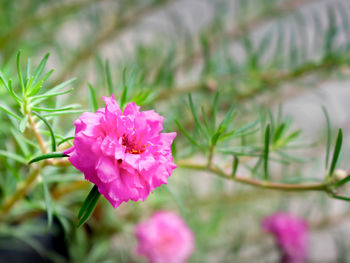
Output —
<point x="123" y="153"/>
<point x="291" y="234"/>
<point x="165" y="238"/>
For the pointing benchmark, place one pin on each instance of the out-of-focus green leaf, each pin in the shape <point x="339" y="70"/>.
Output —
<point x="328" y="122"/>
<point x="109" y="79"/>
<point x="235" y="165"/>
<point x="5" y="109"/>
<point x="23" y="124"/>
<point x="48" y="95"/>
<point x="189" y="137"/>
<point x="48" y="202"/>
<point x="70" y="107"/>
<point x="196" y="118"/>
<point x="125" y="90"/>
<point x="51" y="114"/>
<point x="13" y="156"/>
<point x="266" y="151"/>
<point x="93" y="99"/>
<point x="21" y="142"/>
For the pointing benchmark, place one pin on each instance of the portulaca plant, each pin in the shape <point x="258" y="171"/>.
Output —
<point x="177" y="151"/>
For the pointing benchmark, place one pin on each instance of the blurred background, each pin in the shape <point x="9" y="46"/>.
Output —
<point x="273" y="59"/>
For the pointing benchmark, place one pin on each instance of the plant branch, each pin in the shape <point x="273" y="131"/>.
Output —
<point x="254" y="182"/>
<point x="271" y="80"/>
<point x="36" y="133"/>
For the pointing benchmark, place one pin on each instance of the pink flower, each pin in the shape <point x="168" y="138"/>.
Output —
<point x="123" y="153"/>
<point x="291" y="234"/>
<point x="165" y="238"/>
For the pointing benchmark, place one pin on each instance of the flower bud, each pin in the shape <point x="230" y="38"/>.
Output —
<point x="340" y="174"/>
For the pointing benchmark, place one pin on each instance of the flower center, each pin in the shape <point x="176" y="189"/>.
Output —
<point x="131" y="147"/>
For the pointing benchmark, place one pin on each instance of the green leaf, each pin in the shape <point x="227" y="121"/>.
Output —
<point x="279" y="132"/>
<point x="243" y="129"/>
<point x="29" y="83"/>
<point x="336" y="151"/>
<point x="328" y="122"/>
<point x="205" y="119"/>
<point x="13" y="156"/>
<point x="193" y="141"/>
<point x="109" y="79"/>
<point x="64" y="140"/>
<point x="37" y="87"/>
<point x="10" y="113"/>
<point x="41" y="67"/>
<point x="13" y="94"/>
<point x="237" y="153"/>
<point x="227" y="119"/>
<point x="19" y="72"/>
<point x="28" y="68"/>
<point x="341" y="197"/>
<point x="292" y="157"/>
<point x="88" y="205"/>
<point x="196" y="118"/>
<point x="48" y="202"/>
<point x="266" y="152"/>
<point x="66" y="112"/>
<point x="70" y="107"/>
<point x="223" y="125"/>
<point x="53" y="139"/>
<point x="93" y="99"/>
<point x="215" y="110"/>
<point x="8" y="86"/>
<point x="125" y="90"/>
<point x="47" y="156"/>
<point x="23" y="124"/>
<point x="21" y="142"/>
<point x="62" y="85"/>
<point x="3" y="81"/>
<point x="63" y="113"/>
<point x="235" y="165"/>
<point x="292" y="136"/>
<point x="48" y="95"/>
<point x="343" y="181"/>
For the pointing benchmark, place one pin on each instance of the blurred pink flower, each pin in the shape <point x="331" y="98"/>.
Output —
<point x="291" y="234"/>
<point x="165" y="238"/>
<point x="123" y="153"/>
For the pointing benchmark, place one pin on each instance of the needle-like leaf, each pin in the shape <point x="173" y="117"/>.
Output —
<point x="336" y="152"/>
<point x="266" y="152"/>
<point x="88" y="206"/>
<point x="47" y="156"/>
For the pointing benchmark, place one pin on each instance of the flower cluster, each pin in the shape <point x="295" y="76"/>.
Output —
<point x="291" y="234"/>
<point x="165" y="238"/>
<point x="123" y="153"/>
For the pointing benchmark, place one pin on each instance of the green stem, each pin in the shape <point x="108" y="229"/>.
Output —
<point x="255" y="182"/>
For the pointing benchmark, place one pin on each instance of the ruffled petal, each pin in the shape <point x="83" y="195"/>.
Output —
<point x="123" y="153"/>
